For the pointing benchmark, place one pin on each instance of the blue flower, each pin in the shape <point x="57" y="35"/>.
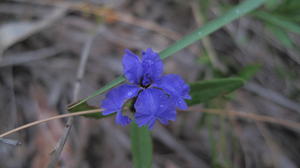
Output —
<point x="156" y="96"/>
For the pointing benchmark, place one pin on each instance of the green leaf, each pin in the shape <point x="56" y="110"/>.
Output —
<point x="206" y="90"/>
<point x="84" y="107"/>
<point x="282" y="36"/>
<point x="141" y="146"/>
<point x="236" y="12"/>
<point x="108" y="86"/>
<point x="271" y="4"/>
<point x="249" y="71"/>
<point x="280" y="21"/>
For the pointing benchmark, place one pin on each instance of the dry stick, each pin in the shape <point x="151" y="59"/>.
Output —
<point x="273" y="96"/>
<point x="10" y="142"/>
<point x="29" y="56"/>
<point x="256" y="117"/>
<point x="84" y="56"/>
<point x="113" y="15"/>
<point x="49" y="119"/>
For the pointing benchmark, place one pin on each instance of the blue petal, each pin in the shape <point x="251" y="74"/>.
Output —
<point x="122" y="120"/>
<point x="176" y="87"/>
<point x="152" y="66"/>
<point x="153" y="104"/>
<point x="132" y="67"/>
<point x="141" y="119"/>
<point x="116" y="98"/>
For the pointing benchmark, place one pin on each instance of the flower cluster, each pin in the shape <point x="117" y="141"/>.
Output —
<point x="156" y="96"/>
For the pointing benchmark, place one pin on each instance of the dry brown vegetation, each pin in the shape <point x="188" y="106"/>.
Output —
<point x="41" y="43"/>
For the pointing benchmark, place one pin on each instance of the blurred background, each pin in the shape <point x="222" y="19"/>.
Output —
<point x="42" y="43"/>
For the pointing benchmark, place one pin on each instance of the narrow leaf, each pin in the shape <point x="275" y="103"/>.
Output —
<point x="278" y="21"/>
<point x="207" y="90"/>
<point x="249" y="71"/>
<point x="84" y="107"/>
<point x="141" y="146"/>
<point x="108" y="86"/>
<point x="234" y="13"/>
<point x="282" y="36"/>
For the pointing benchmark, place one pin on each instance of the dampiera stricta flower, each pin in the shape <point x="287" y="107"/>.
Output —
<point x="156" y="95"/>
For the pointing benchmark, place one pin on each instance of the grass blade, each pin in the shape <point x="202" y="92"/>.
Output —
<point x="141" y="146"/>
<point x="278" y="21"/>
<point x="108" y="86"/>
<point x="212" y="26"/>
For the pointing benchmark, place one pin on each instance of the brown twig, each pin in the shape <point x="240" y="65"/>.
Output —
<point x="256" y="117"/>
<point x="10" y="142"/>
<point x="83" y="60"/>
<point x="49" y="119"/>
<point x="24" y="57"/>
<point x="111" y="15"/>
<point x="273" y="96"/>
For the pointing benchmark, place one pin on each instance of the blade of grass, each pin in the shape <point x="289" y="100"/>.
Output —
<point x="236" y="12"/>
<point x="278" y="21"/>
<point x="212" y="26"/>
<point x="108" y="86"/>
<point x="141" y="146"/>
<point x="281" y="35"/>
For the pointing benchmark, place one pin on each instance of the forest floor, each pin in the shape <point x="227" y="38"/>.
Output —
<point x="41" y="45"/>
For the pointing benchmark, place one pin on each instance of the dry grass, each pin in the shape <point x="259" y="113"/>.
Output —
<point x="48" y="58"/>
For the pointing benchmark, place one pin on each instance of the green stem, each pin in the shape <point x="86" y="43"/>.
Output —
<point x="141" y="146"/>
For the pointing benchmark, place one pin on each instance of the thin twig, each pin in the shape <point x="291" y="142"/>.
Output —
<point x="49" y="119"/>
<point x="10" y="142"/>
<point x="30" y="56"/>
<point x="84" y="57"/>
<point x="261" y="118"/>
<point x="273" y="96"/>
<point x="113" y="15"/>
<point x="256" y="117"/>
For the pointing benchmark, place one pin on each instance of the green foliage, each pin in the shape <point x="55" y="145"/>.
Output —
<point x="212" y="26"/>
<point x="281" y="17"/>
<point x="271" y="4"/>
<point x="249" y="71"/>
<point x="288" y="9"/>
<point x="282" y="36"/>
<point x="141" y="146"/>
<point x="204" y="6"/>
<point x="206" y="90"/>
<point x="278" y="20"/>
